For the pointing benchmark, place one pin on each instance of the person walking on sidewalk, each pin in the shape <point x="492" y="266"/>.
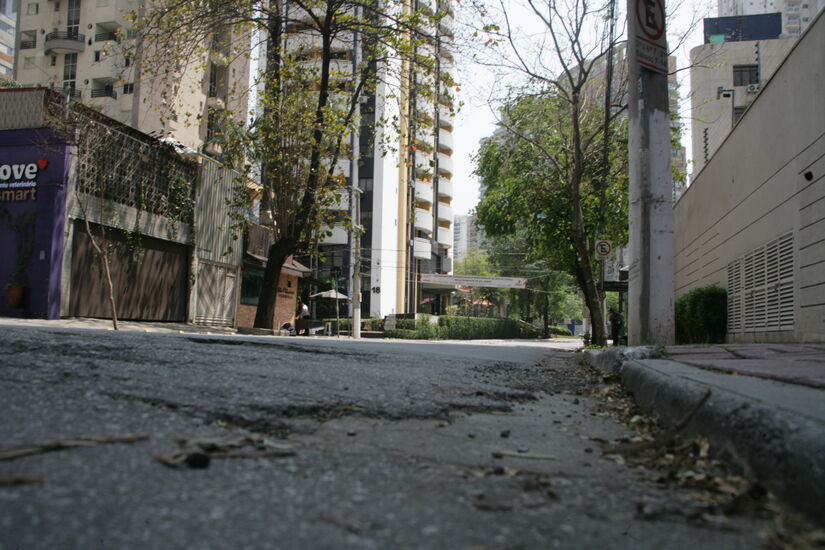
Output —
<point x="615" y="319"/>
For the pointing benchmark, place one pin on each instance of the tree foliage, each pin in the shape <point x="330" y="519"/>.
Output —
<point x="553" y="164"/>
<point x="322" y="59"/>
<point x="533" y="186"/>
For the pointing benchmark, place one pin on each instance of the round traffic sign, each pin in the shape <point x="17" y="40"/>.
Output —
<point x="650" y="15"/>
<point x="603" y="249"/>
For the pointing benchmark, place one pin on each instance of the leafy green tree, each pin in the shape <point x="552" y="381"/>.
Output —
<point x="560" y="134"/>
<point x="322" y="57"/>
<point x="543" y="178"/>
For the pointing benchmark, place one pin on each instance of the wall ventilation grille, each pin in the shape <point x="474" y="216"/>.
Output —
<point x="761" y="288"/>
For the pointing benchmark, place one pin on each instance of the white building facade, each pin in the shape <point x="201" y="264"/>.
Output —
<point x="8" y="20"/>
<point x="404" y="191"/>
<point x="86" y="50"/>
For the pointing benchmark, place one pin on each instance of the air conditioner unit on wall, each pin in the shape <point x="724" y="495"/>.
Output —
<point x="753" y="88"/>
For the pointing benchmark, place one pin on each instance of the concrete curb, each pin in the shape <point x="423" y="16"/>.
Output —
<point x="610" y="360"/>
<point x="783" y="449"/>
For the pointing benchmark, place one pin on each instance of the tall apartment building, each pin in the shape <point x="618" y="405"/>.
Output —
<point x="8" y="19"/>
<point x="727" y="72"/>
<point x="81" y="48"/>
<point x="796" y="15"/>
<point x="403" y="194"/>
<point x="466" y="236"/>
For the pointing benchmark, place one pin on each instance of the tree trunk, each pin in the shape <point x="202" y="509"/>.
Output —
<point x="277" y="255"/>
<point x="104" y="262"/>
<point x="545" y="315"/>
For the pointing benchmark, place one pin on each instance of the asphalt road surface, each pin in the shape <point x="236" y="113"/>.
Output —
<point x="318" y="443"/>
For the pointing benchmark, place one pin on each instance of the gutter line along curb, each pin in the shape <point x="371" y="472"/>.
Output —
<point x="786" y="452"/>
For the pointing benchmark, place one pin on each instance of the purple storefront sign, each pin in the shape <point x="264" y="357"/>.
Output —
<point x="34" y="166"/>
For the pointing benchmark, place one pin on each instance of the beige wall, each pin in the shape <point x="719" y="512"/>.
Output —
<point x="766" y="181"/>
<point x="182" y="113"/>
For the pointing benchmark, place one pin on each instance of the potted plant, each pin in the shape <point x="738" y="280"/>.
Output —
<point x="16" y="285"/>
<point x="15" y="290"/>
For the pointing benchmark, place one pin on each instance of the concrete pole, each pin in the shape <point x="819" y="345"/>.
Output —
<point x="355" y="198"/>
<point x="651" y="303"/>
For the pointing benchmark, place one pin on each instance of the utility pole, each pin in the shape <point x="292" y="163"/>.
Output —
<point x="651" y="303"/>
<point x="355" y="198"/>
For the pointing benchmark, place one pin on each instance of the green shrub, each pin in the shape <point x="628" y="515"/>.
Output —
<point x="560" y="331"/>
<point x="400" y="333"/>
<point x="475" y="328"/>
<point x="372" y="323"/>
<point x="702" y="316"/>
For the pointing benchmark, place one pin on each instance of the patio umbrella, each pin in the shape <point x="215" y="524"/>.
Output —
<point x="330" y="295"/>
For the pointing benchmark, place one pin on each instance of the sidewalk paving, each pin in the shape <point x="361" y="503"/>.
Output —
<point x="766" y="408"/>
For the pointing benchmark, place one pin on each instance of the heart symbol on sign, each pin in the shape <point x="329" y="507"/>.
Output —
<point x="43" y="163"/>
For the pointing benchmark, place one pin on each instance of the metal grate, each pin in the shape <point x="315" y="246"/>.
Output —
<point x="761" y="288"/>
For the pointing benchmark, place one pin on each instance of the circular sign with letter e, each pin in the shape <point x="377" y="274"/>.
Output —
<point x="603" y="249"/>
<point x="650" y="16"/>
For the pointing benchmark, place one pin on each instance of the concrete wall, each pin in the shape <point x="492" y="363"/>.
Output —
<point x="764" y="192"/>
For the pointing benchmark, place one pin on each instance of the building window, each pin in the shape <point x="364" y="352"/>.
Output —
<point x="73" y="18"/>
<point x="54" y="61"/>
<point x="738" y="112"/>
<point x="745" y="74"/>
<point x="32" y="9"/>
<point x="69" y="70"/>
<point x="251" y="285"/>
<point x="97" y="56"/>
<point x="127" y="61"/>
<point x="57" y="6"/>
<point x="213" y="81"/>
<point x="129" y="88"/>
<point x="28" y="63"/>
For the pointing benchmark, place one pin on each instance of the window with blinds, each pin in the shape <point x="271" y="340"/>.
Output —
<point x="761" y="288"/>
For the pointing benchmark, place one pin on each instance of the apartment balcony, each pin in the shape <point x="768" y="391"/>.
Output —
<point x="446" y="25"/>
<point x="445" y="236"/>
<point x="72" y="93"/>
<point x="422" y="249"/>
<point x="445" y="116"/>
<point x="423" y="161"/>
<point x="445" y="188"/>
<point x="423" y="220"/>
<point x="341" y="201"/>
<point x="445" y="212"/>
<point x="340" y="235"/>
<point x="64" y="42"/>
<point x="429" y="5"/>
<point x="423" y="191"/>
<point x="107" y="36"/>
<point x="445" y="141"/>
<point x="107" y="91"/>
<point x="445" y="165"/>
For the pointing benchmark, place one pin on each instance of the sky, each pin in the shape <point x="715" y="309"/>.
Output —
<point x="476" y="118"/>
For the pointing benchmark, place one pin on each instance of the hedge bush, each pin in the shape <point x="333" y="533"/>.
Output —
<point x="702" y="316"/>
<point x="370" y="323"/>
<point x="474" y="328"/>
<point x="560" y="331"/>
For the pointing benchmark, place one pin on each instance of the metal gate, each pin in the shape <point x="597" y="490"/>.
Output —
<point x="150" y="280"/>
